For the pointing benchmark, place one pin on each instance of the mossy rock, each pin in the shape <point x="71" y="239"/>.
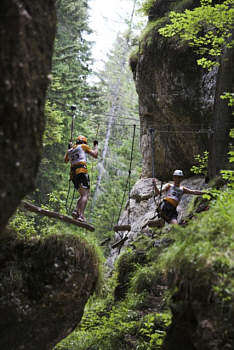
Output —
<point x="45" y="284"/>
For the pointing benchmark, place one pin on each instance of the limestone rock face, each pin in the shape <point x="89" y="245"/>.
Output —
<point x="142" y="208"/>
<point x="27" y="30"/>
<point x="44" y="286"/>
<point x="175" y="98"/>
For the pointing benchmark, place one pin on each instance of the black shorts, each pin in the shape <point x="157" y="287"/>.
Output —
<point x="167" y="211"/>
<point x="81" y="180"/>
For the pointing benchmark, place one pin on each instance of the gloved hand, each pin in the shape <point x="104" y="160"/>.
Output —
<point x="69" y="145"/>
<point x="95" y="143"/>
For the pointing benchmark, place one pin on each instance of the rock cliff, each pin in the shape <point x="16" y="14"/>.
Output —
<point x="176" y="97"/>
<point x="27" y="31"/>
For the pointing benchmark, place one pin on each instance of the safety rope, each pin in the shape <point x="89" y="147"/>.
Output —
<point x="164" y="165"/>
<point x="68" y="208"/>
<point x="157" y="203"/>
<point x="91" y="180"/>
<point x="91" y="174"/>
<point x="128" y="182"/>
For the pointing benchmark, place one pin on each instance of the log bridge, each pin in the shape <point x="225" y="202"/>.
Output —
<point x="54" y="215"/>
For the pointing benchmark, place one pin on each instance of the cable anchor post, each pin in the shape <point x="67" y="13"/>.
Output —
<point x="73" y="109"/>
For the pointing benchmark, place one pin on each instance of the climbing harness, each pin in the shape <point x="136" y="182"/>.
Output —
<point x="68" y="207"/>
<point x="127" y="227"/>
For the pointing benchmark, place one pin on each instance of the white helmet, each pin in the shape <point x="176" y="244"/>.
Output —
<point x="178" y="173"/>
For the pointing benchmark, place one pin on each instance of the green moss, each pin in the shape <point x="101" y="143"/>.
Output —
<point x="133" y="59"/>
<point x="178" y="5"/>
<point x="147" y="36"/>
<point x="145" y="279"/>
<point x="147" y="5"/>
<point x="125" y="268"/>
<point x="181" y="5"/>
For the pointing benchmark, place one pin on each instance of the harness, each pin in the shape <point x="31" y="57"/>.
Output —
<point x="74" y="167"/>
<point x="161" y="211"/>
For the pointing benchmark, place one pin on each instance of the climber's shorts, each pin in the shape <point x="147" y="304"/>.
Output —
<point x="167" y="211"/>
<point x="81" y="181"/>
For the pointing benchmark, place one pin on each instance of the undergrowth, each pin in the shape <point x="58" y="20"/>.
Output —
<point x="202" y="254"/>
<point x="198" y="264"/>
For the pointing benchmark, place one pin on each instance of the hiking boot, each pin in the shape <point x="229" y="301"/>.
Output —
<point x="81" y="219"/>
<point x="75" y="215"/>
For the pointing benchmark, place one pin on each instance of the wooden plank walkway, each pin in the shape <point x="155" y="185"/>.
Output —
<point x="52" y="214"/>
<point x="122" y="228"/>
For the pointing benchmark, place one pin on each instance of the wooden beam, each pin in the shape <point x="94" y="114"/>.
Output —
<point x="155" y="223"/>
<point x="122" y="228"/>
<point x="52" y="214"/>
<point x="120" y="242"/>
<point x="105" y="241"/>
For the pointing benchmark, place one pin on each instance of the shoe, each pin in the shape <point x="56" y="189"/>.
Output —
<point x="81" y="219"/>
<point x="75" y="214"/>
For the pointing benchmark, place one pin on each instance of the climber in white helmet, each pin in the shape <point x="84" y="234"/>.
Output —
<point x="173" y="194"/>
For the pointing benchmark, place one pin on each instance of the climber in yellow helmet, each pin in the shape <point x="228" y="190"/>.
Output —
<point x="174" y="192"/>
<point x="77" y="155"/>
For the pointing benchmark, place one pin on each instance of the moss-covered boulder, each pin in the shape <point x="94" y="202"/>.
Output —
<point x="44" y="286"/>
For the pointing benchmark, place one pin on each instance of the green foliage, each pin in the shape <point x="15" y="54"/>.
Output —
<point x="153" y="330"/>
<point x="111" y="327"/>
<point x="147" y="5"/>
<point x="72" y="56"/>
<point x="201" y="164"/>
<point x="148" y="33"/>
<point x="23" y="224"/>
<point x="145" y="279"/>
<point x="108" y="324"/>
<point x="103" y="329"/>
<point x="54" y="125"/>
<point x="201" y="259"/>
<point x="173" y="5"/>
<point x="179" y="6"/>
<point x="207" y="28"/>
<point x="230" y="97"/>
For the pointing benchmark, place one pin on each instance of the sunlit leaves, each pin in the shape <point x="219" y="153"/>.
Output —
<point x="206" y="28"/>
<point x="54" y="125"/>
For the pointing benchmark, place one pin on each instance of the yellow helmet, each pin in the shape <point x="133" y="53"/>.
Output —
<point x="81" y="139"/>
